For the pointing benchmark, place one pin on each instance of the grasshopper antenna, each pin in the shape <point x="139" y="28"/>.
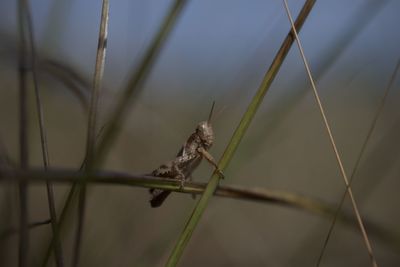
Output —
<point x="211" y="112"/>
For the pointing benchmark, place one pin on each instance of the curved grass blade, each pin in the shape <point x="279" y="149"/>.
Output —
<point x="236" y="138"/>
<point x="73" y="81"/>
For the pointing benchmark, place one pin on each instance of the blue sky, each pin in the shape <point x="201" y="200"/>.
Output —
<point x="215" y="39"/>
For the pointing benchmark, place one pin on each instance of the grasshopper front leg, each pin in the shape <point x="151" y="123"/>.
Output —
<point x="179" y="175"/>
<point x="211" y="160"/>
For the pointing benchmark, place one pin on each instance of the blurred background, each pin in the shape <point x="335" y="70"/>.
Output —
<point x="218" y="51"/>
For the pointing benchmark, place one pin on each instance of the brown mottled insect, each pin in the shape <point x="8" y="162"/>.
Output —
<point x="187" y="160"/>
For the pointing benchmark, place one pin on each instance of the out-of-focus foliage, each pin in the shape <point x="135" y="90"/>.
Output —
<point x="218" y="51"/>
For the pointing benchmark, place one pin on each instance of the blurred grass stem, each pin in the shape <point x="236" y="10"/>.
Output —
<point x="23" y="136"/>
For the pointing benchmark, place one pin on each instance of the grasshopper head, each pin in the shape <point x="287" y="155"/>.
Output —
<point x="205" y="132"/>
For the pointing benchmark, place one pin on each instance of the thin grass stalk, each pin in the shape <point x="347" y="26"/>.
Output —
<point x="92" y="125"/>
<point x="236" y="138"/>
<point x="332" y="141"/>
<point x="360" y="156"/>
<point x="61" y="221"/>
<point x="6" y="207"/>
<point x="23" y="137"/>
<point x="261" y="195"/>
<point x="43" y="138"/>
<point x="79" y="228"/>
<point x="121" y="179"/>
<point x="97" y="81"/>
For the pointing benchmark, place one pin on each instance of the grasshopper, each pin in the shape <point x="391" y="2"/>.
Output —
<point x="186" y="161"/>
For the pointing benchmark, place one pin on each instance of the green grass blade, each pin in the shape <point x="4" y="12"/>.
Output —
<point x="237" y="137"/>
<point x="254" y="194"/>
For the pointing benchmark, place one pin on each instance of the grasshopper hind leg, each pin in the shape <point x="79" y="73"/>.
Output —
<point x="157" y="197"/>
